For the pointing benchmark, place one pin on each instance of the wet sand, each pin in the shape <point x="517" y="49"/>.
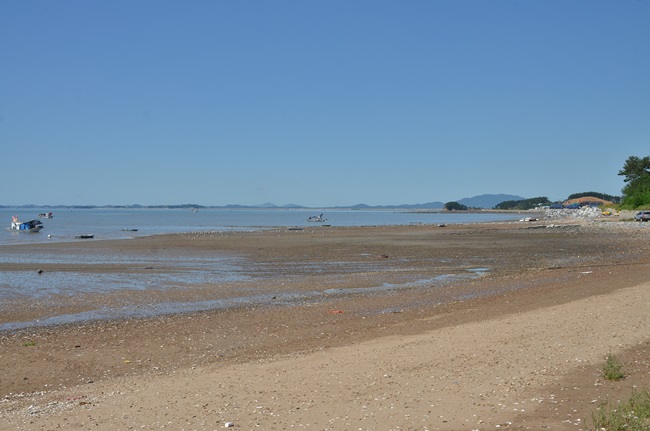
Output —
<point x="414" y="327"/>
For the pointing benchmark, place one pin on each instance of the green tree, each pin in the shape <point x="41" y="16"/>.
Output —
<point x="523" y="204"/>
<point x="636" y="173"/>
<point x="455" y="206"/>
<point x="635" y="168"/>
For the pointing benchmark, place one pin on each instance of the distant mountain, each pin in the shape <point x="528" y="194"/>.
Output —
<point x="482" y="201"/>
<point x="488" y="201"/>
<point x="232" y="206"/>
<point x="428" y="205"/>
<point x="436" y="205"/>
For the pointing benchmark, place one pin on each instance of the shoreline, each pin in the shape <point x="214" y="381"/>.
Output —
<point x="70" y="224"/>
<point x="58" y="270"/>
<point x="531" y="272"/>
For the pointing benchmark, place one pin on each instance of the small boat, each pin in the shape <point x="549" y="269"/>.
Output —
<point x="28" y="226"/>
<point x="129" y="230"/>
<point x="317" y="219"/>
<point x="46" y="215"/>
<point x="84" y="236"/>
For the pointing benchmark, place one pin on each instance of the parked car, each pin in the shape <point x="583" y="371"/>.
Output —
<point x="642" y="216"/>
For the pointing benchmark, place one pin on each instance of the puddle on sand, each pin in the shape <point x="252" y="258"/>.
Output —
<point x="422" y="283"/>
<point x="266" y="299"/>
<point x="29" y="284"/>
<point x="170" y="271"/>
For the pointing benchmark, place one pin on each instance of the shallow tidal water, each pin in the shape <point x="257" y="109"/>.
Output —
<point x="232" y="281"/>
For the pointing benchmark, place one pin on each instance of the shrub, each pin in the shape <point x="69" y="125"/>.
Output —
<point x="613" y="369"/>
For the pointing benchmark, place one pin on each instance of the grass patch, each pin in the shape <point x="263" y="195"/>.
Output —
<point x="630" y="415"/>
<point x="29" y="344"/>
<point x="613" y="369"/>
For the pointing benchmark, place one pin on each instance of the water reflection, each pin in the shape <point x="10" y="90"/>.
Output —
<point x="275" y="299"/>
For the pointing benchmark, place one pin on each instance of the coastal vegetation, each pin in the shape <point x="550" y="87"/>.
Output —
<point x="636" y="173"/>
<point x="632" y="414"/>
<point x="524" y="204"/>
<point x="613" y="368"/>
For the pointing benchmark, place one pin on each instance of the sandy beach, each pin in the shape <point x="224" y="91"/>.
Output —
<point x="462" y="327"/>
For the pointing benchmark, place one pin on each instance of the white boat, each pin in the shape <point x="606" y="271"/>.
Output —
<point x="45" y="215"/>
<point x="28" y="226"/>
<point x="317" y="219"/>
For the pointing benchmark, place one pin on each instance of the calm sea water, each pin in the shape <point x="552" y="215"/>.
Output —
<point x="109" y="223"/>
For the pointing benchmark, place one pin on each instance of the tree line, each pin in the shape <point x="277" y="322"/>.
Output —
<point x="524" y="204"/>
<point x="603" y="196"/>
<point x="636" y="193"/>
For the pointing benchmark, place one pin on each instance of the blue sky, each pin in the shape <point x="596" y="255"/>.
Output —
<point x="319" y="103"/>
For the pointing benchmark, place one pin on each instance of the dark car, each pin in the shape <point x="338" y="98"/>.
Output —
<point x="642" y="216"/>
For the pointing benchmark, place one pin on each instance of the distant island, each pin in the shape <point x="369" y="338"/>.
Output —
<point x="482" y="201"/>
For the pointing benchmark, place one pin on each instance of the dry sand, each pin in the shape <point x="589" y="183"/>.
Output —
<point x="521" y="347"/>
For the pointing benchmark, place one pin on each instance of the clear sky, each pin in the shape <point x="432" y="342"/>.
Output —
<point x="319" y="103"/>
